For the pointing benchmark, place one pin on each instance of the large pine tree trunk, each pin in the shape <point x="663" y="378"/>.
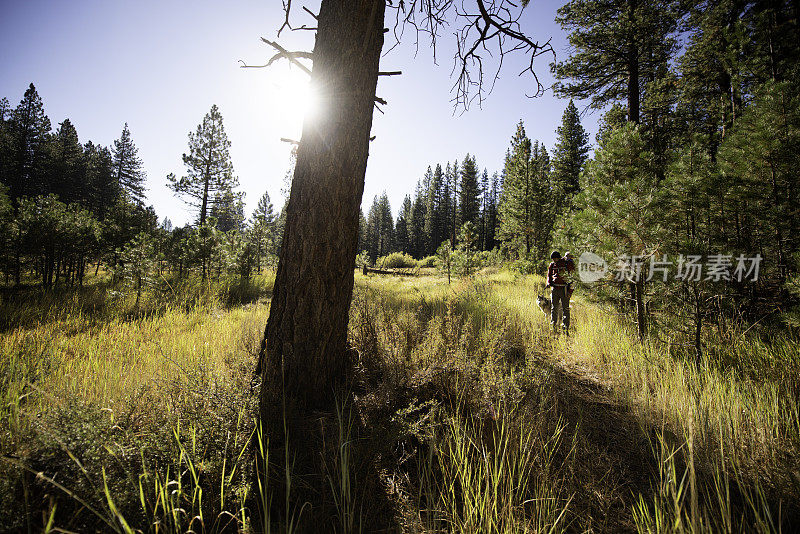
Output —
<point x="633" y="65"/>
<point x="305" y="354"/>
<point x="641" y="312"/>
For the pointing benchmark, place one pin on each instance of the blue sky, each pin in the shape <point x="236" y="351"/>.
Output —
<point x="160" y="65"/>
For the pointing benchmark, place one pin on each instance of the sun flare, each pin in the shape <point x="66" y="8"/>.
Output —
<point x="293" y="98"/>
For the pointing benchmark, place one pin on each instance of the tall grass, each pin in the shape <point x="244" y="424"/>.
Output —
<point x="738" y="408"/>
<point x="124" y="419"/>
<point x="144" y="417"/>
<point x="506" y="483"/>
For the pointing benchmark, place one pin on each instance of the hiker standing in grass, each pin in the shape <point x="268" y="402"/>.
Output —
<point x="558" y="274"/>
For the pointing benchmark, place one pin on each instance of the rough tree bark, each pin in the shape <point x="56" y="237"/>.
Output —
<point x="306" y="361"/>
<point x="633" y="66"/>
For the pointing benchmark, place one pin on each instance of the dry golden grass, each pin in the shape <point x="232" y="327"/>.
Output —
<point x="480" y="419"/>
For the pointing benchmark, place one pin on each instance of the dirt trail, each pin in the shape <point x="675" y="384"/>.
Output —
<point x="614" y="462"/>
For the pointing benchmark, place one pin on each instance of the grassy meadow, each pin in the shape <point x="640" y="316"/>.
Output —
<point x="469" y="412"/>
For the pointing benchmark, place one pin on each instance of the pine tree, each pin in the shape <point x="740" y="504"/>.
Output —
<point x="492" y="196"/>
<point x="759" y="160"/>
<point x="544" y="201"/>
<point x="208" y="165"/>
<point x="527" y="207"/>
<point x="386" y="242"/>
<point x="5" y="110"/>
<point x="362" y="232"/>
<point x="515" y="209"/>
<point x="6" y="152"/>
<point x="441" y="210"/>
<point x="465" y="259"/>
<point x="66" y="167"/>
<point x="452" y="201"/>
<point x="401" y="229"/>
<point x="484" y="193"/>
<point x="571" y="151"/>
<point x="263" y="230"/>
<point x="137" y="264"/>
<point x="617" y="215"/>
<point x="6" y="233"/>
<point x="617" y="45"/>
<point x="227" y="209"/>
<point x="128" y="166"/>
<point x="100" y="179"/>
<point x="380" y="228"/>
<point x="434" y="226"/>
<point x="469" y="193"/>
<point x="684" y="201"/>
<point x="30" y="134"/>
<point x="420" y="240"/>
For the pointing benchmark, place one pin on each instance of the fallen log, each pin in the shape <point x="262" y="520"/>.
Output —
<point x="396" y="272"/>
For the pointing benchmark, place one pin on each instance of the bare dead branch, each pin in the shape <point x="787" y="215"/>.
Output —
<point x="292" y="141"/>
<point x="485" y="33"/>
<point x="310" y="13"/>
<point x="287" y="8"/>
<point x="390" y="73"/>
<point x="291" y="56"/>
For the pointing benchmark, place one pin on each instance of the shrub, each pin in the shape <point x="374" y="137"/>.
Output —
<point x="427" y="261"/>
<point x="526" y="266"/>
<point x="396" y="260"/>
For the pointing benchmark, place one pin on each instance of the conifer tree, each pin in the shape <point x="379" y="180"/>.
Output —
<point x="263" y="229"/>
<point x="434" y="223"/>
<point x="227" y="209"/>
<point x="6" y="233"/>
<point x="128" y="166"/>
<point x="422" y="195"/>
<point x="690" y="219"/>
<point x="446" y="213"/>
<point x="545" y="202"/>
<point x="452" y="201"/>
<point x="484" y="209"/>
<point x="380" y="228"/>
<point x="492" y="195"/>
<point x="441" y="210"/>
<point x="420" y="240"/>
<point x="527" y="208"/>
<point x="401" y="231"/>
<point x="468" y="193"/>
<point x="30" y="133"/>
<point x="66" y="168"/>
<point x="617" y="214"/>
<point x="759" y="160"/>
<point x="137" y="264"/>
<point x="617" y="45"/>
<point x="5" y="140"/>
<point x="5" y="110"/>
<point x="100" y="179"/>
<point x="362" y="232"/>
<point x="571" y="151"/>
<point x="515" y="207"/>
<point x="208" y="165"/>
<point x="386" y="240"/>
<point x="465" y="259"/>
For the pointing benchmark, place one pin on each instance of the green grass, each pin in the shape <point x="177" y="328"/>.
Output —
<point x="473" y="416"/>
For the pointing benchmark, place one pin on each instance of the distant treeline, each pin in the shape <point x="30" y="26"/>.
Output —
<point x="515" y="210"/>
<point x="64" y="205"/>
